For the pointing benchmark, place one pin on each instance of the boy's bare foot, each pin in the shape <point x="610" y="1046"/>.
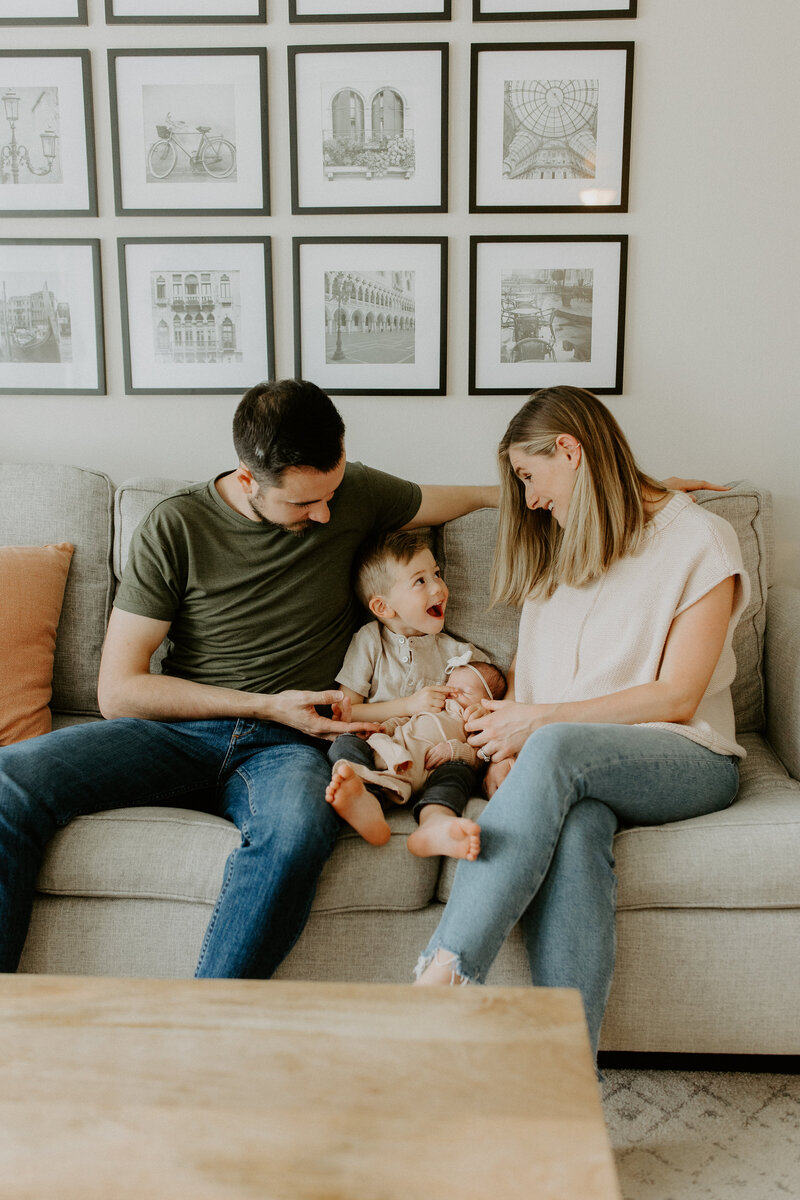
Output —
<point x="454" y="837"/>
<point x="357" y="806"/>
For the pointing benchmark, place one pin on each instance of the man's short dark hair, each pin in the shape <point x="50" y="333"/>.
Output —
<point x="288" y="423"/>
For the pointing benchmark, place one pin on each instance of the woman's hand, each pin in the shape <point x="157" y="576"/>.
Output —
<point x="428" y="699"/>
<point x="495" y="774"/>
<point x="503" y="727"/>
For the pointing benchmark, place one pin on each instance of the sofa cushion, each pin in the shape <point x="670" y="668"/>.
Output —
<point x="744" y="857"/>
<point x="32" y="580"/>
<point x="180" y="854"/>
<point x="465" y="549"/>
<point x="46" y="504"/>
<point x="133" y="501"/>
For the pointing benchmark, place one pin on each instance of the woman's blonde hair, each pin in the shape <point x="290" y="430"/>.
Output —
<point x="606" y="515"/>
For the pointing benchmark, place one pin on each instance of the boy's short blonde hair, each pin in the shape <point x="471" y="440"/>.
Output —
<point x="373" y="567"/>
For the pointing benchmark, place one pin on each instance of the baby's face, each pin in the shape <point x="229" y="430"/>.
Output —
<point x="467" y="684"/>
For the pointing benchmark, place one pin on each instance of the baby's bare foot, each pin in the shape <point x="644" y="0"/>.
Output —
<point x="454" y="837"/>
<point x="357" y="806"/>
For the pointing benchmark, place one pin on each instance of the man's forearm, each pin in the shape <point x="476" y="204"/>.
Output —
<point x="442" y="503"/>
<point x="169" y="698"/>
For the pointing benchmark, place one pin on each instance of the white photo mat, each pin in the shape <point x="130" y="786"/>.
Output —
<point x="370" y="8"/>
<point x="492" y="259"/>
<point x="494" y="69"/>
<point x="74" y="192"/>
<point x="552" y="7"/>
<point x="417" y="75"/>
<point x="240" y="72"/>
<point x="426" y="259"/>
<point x="185" y="8"/>
<point x="147" y="373"/>
<point x="44" y="10"/>
<point x="69" y="270"/>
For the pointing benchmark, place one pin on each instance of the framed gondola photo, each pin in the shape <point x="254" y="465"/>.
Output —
<point x="550" y="127"/>
<point x="371" y="314"/>
<point x="51" y="317"/>
<point x="546" y="310"/>
<point x="189" y="131"/>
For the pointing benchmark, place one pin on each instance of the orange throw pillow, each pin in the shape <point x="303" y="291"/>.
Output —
<point x="32" y="580"/>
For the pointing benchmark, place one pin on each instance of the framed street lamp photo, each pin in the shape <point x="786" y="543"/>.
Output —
<point x="51" y="317"/>
<point x="546" y="310"/>
<point x="368" y="128"/>
<point x="189" y="131"/>
<point x="550" y="10"/>
<point x="196" y="314"/>
<point x="371" y="315"/>
<point x="185" y="12"/>
<point x="550" y="127"/>
<point x="44" y="12"/>
<point x="47" y="159"/>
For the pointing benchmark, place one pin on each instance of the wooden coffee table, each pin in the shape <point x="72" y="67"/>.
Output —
<point x="132" y="1089"/>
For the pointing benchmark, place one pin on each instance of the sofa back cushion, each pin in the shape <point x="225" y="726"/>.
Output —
<point x="133" y="501"/>
<point x="42" y="504"/>
<point x="465" y="549"/>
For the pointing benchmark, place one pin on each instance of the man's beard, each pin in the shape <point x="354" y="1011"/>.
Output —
<point x="298" y="528"/>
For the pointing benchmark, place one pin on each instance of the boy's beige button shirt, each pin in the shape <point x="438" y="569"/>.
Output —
<point x="382" y="665"/>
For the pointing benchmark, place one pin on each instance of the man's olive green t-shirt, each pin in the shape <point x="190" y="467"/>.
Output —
<point x="253" y="606"/>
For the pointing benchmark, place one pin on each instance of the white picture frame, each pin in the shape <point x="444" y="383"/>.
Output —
<point x="51" y="317"/>
<point x="197" y="314"/>
<point x="547" y="310"/>
<point x="189" y="131"/>
<point x="371" y="314"/>
<point x="550" y="127"/>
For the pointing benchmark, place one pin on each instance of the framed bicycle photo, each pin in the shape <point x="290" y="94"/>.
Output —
<point x="550" y="127"/>
<point x="44" y="12"/>
<point x="550" y="10"/>
<point x="546" y="310"/>
<point x="371" y="315"/>
<point x="368" y="128"/>
<point x="51" y="317"/>
<point x="196" y="314"/>
<point x="188" y="12"/>
<point x="47" y="159"/>
<point x="313" y="11"/>
<point x="189" y="131"/>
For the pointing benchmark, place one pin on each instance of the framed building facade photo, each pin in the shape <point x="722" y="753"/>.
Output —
<point x="319" y="11"/>
<point x="44" y="12"/>
<point x="368" y="128"/>
<point x="189" y="131"/>
<point x="550" y="10"/>
<point x="196" y="314"/>
<point x="546" y="310"/>
<point x="47" y="156"/>
<point x="51" y="317"/>
<point x="550" y="127"/>
<point x="189" y="12"/>
<point x="371" y="315"/>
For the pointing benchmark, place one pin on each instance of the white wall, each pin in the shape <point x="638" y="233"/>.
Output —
<point x="710" y="386"/>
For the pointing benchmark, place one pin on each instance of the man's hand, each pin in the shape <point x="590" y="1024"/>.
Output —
<point x="676" y="484"/>
<point x="428" y="699"/>
<point x="438" y="755"/>
<point x="299" y="710"/>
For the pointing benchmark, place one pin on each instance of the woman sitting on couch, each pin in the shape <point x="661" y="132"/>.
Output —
<point x="618" y="707"/>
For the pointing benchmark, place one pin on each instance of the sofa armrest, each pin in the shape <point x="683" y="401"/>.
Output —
<point x="782" y="672"/>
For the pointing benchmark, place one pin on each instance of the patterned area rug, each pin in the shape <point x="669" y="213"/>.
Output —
<point x="704" y="1135"/>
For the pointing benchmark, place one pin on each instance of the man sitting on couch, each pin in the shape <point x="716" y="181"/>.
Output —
<point x="248" y="577"/>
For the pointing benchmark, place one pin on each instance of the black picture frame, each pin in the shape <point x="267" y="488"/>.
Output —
<point x="180" y="364"/>
<point x="372" y="152"/>
<point x="69" y="78"/>
<point x="441" y="10"/>
<point x="380" y="352"/>
<point x="553" y="142"/>
<point x="80" y="17"/>
<point x="482" y="10"/>
<point x="139" y="130"/>
<point x="66" y="318"/>
<point x="220" y="17"/>
<point x="561" y="324"/>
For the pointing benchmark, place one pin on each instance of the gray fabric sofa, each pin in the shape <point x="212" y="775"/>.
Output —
<point x="708" y="909"/>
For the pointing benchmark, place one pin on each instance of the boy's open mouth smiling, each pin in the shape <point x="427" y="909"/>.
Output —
<point x="436" y="610"/>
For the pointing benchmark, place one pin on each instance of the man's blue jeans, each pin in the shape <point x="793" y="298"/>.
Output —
<point x="546" y="849"/>
<point x="268" y="779"/>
